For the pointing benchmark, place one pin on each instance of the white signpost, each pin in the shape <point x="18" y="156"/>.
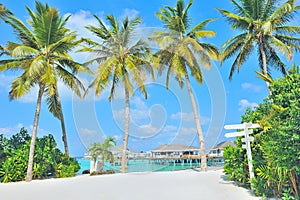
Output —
<point x="247" y="139"/>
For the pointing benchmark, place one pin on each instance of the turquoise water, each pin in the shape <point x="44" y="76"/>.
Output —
<point x="139" y="166"/>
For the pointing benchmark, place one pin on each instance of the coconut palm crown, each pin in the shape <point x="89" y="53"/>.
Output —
<point x="42" y="58"/>
<point x="103" y="150"/>
<point x="264" y="26"/>
<point x="183" y="51"/>
<point x="120" y="60"/>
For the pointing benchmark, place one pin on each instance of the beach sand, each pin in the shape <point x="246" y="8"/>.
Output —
<point x="178" y="185"/>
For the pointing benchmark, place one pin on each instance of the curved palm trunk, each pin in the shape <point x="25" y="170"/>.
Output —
<point x="63" y="130"/>
<point x="198" y="126"/>
<point x="126" y="130"/>
<point x="63" y="127"/>
<point x="64" y="134"/>
<point x="264" y="60"/>
<point x="34" y="133"/>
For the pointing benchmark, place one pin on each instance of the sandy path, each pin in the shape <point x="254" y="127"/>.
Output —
<point x="189" y="185"/>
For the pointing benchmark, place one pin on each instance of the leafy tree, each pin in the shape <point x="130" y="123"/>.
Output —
<point x="264" y="25"/>
<point x="276" y="156"/>
<point x="121" y="61"/>
<point x="19" y="139"/>
<point x="182" y="50"/>
<point x="4" y="144"/>
<point x="103" y="150"/>
<point x="48" y="159"/>
<point x="42" y="56"/>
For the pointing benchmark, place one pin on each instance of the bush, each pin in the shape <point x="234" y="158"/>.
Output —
<point x="67" y="168"/>
<point x="48" y="159"/>
<point x="276" y="155"/>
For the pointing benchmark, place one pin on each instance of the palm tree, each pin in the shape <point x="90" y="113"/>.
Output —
<point x="181" y="51"/>
<point x="119" y="62"/>
<point x="264" y="26"/>
<point x="42" y="56"/>
<point x="103" y="150"/>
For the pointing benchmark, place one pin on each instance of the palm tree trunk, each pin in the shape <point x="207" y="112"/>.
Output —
<point x="63" y="127"/>
<point x="126" y="130"/>
<point x="198" y="126"/>
<point x="64" y="134"/>
<point x="34" y="133"/>
<point x="264" y="60"/>
<point x="102" y="165"/>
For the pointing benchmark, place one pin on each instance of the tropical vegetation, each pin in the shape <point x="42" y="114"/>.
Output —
<point x="121" y="60"/>
<point x="103" y="151"/>
<point x="276" y="156"/>
<point x="42" y="57"/>
<point x="49" y="160"/>
<point x="183" y="52"/>
<point x="264" y="25"/>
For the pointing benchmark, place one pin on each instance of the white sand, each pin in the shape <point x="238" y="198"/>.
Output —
<point x="180" y="185"/>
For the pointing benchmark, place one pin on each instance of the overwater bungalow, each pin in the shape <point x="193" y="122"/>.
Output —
<point x="175" y="151"/>
<point x="215" y="155"/>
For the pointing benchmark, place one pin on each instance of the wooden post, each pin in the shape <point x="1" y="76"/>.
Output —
<point x="247" y="139"/>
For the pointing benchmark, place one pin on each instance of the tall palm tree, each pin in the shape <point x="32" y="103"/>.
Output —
<point x="182" y="51"/>
<point x="42" y="56"/>
<point x="264" y="27"/>
<point x="103" y="150"/>
<point x="120" y="61"/>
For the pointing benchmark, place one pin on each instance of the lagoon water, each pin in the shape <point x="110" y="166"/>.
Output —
<point x="139" y="166"/>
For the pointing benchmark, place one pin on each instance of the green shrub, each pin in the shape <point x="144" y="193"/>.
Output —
<point x="276" y="155"/>
<point x="48" y="159"/>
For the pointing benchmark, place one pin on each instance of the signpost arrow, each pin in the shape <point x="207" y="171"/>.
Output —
<point x="235" y="134"/>
<point x="241" y="126"/>
<point x="247" y="139"/>
<point x="250" y="139"/>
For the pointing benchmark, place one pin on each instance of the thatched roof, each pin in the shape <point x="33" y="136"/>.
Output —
<point x="174" y="148"/>
<point x="223" y="144"/>
<point x="119" y="149"/>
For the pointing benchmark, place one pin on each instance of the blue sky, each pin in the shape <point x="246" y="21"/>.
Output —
<point x="166" y="116"/>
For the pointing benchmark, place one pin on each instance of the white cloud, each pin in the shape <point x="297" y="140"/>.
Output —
<point x="169" y="128"/>
<point x="183" y="116"/>
<point x="250" y="86"/>
<point x="79" y="20"/>
<point x="139" y="110"/>
<point x="11" y="130"/>
<point x="130" y="13"/>
<point x="148" y="129"/>
<point x="244" y="103"/>
<point x="189" y="117"/>
<point x="138" y="103"/>
<point x="187" y="131"/>
<point x="118" y="137"/>
<point x="87" y="132"/>
<point x="5" y="81"/>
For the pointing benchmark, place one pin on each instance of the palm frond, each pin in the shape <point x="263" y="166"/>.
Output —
<point x="21" y="86"/>
<point x="53" y="101"/>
